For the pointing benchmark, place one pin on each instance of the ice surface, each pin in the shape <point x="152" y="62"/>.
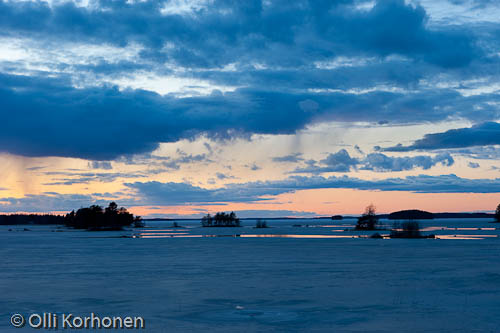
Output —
<point x="258" y="284"/>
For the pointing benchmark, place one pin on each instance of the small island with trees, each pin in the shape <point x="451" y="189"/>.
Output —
<point x="411" y="214"/>
<point x="220" y="219"/>
<point x="409" y="229"/>
<point x="261" y="224"/>
<point x="369" y="219"/>
<point x="95" y="218"/>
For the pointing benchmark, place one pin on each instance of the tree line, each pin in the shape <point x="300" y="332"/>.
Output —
<point x="220" y="219"/>
<point x="14" y="219"/>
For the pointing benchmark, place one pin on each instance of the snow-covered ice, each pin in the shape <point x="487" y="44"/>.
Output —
<point x="258" y="284"/>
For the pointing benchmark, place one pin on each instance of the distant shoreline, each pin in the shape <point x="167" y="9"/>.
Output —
<point x="380" y="216"/>
<point x="329" y="218"/>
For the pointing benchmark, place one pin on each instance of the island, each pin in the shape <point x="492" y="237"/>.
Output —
<point x="411" y="214"/>
<point x="220" y="219"/>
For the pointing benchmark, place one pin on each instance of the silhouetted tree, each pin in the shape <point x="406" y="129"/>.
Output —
<point x="261" y="224"/>
<point x="497" y="214"/>
<point x="112" y="208"/>
<point x="408" y="229"/>
<point x="207" y="221"/>
<point x="369" y="220"/>
<point x="138" y="222"/>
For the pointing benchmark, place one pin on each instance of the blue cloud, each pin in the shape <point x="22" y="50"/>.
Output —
<point x="48" y="202"/>
<point x="225" y="31"/>
<point x="480" y="152"/>
<point x="292" y="158"/>
<point x="223" y="176"/>
<point x="72" y="177"/>
<point x="157" y="193"/>
<point x="340" y="161"/>
<point x="47" y="117"/>
<point x="381" y="162"/>
<point x="254" y="167"/>
<point x="100" y="165"/>
<point x="343" y="162"/>
<point x="483" y="134"/>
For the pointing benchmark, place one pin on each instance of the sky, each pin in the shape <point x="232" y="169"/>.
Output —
<point x="269" y="108"/>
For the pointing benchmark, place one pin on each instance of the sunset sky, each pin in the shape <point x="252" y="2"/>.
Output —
<point x="268" y="108"/>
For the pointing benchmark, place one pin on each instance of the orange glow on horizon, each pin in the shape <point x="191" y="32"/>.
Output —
<point x="326" y="202"/>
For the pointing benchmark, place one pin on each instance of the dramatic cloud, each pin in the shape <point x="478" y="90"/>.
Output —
<point x="284" y="66"/>
<point x="290" y="33"/>
<point x="484" y="134"/>
<point x="103" y="123"/>
<point x="46" y="118"/>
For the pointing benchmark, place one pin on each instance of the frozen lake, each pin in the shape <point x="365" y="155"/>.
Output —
<point x="311" y="278"/>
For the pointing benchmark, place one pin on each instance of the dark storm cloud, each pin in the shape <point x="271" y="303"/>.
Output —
<point x="484" y="134"/>
<point x="103" y="123"/>
<point x="43" y="117"/>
